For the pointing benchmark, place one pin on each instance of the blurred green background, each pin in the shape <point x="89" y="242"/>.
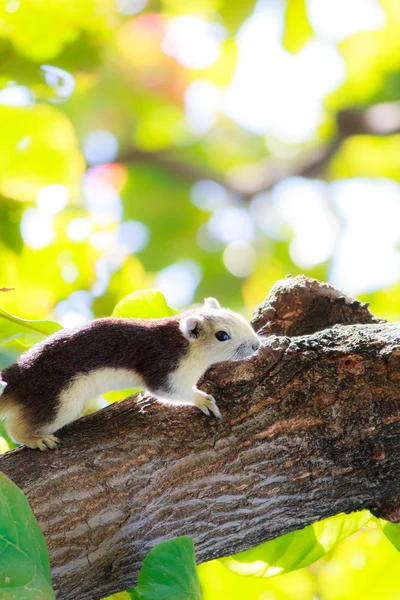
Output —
<point x="203" y="147"/>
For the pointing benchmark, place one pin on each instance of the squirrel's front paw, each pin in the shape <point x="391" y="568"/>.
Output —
<point x="206" y="403"/>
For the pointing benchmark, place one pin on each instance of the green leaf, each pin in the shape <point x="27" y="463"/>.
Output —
<point x="391" y="531"/>
<point x="234" y="14"/>
<point x="47" y="158"/>
<point x="298" y="30"/>
<point x="169" y="572"/>
<point x="296" y="549"/>
<point x="26" y="332"/>
<point x="10" y="221"/>
<point x="143" y="304"/>
<point x="24" y="564"/>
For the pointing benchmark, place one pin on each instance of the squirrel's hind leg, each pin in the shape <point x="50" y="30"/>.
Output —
<point x="21" y="431"/>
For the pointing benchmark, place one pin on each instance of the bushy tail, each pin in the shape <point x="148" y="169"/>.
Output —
<point x="3" y="401"/>
<point x="3" y="385"/>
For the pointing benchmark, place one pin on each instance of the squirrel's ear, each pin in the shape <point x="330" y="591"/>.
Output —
<point x="211" y="303"/>
<point x="191" y="326"/>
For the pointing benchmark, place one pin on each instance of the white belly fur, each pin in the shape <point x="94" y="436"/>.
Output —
<point x="86" y="387"/>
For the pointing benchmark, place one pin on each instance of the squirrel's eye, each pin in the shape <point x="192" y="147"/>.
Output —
<point x="222" y="336"/>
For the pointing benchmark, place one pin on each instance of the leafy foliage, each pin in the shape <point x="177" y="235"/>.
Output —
<point x="203" y="187"/>
<point x="143" y="304"/>
<point x="24" y="564"/>
<point x="392" y="532"/>
<point x="296" y="549"/>
<point x="168" y="571"/>
<point x="24" y="331"/>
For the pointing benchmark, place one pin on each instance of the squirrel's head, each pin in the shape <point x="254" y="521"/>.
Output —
<point x="218" y="333"/>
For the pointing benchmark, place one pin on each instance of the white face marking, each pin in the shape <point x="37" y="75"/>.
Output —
<point x="205" y="349"/>
<point x="84" y="388"/>
<point x="220" y="335"/>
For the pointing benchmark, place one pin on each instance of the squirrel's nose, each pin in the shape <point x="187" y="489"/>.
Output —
<point x="256" y="345"/>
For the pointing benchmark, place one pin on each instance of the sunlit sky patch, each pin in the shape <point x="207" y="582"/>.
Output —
<point x="274" y="91"/>
<point x="367" y="257"/>
<point x="303" y="205"/>
<point x="337" y="19"/>
<point x="193" y="41"/>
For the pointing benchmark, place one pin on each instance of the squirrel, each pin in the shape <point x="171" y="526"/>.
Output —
<point x="50" y="384"/>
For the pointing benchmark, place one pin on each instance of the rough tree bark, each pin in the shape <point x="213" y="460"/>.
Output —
<point x="310" y="428"/>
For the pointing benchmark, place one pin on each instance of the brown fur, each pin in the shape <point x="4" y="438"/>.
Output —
<point x="151" y="347"/>
<point x="50" y="385"/>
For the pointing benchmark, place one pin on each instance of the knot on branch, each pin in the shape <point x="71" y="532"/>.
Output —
<point x="302" y="305"/>
<point x="388" y="509"/>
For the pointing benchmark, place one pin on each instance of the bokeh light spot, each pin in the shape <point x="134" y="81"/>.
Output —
<point x="130" y="7"/>
<point x="78" y="229"/>
<point x="240" y="258"/>
<point x="37" y="228"/>
<point x="24" y="143"/>
<point x="16" y="95"/>
<point x="202" y="102"/>
<point x="100" y="146"/>
<point x="75" y="309"/>
<point x="208" y="195"/>
<point x="231" y="224"/>
<point x="52" y="199"/>
<point x="12" y="6"/>
<point x="194" y="42"/>
<point x="268" y="218"/>
<point x="302" y="204"/>
<point x="102" y="200"/>
<point x="102" y="240"/>
<point x="367" y="256"/>
<point x="205" y="240"/>
<point x="358" y="561"/>
<point x="132" y="236"/>
<point x="69" y="273"/>
<point x="337" y="19"/>
<point x="287" y="100"/>
<point x="62" y="82"/>
<point x="178" y="282"/>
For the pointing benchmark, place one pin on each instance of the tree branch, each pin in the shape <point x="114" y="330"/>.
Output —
<point x="379" y="120"/>
<point x="310" y="428"/>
